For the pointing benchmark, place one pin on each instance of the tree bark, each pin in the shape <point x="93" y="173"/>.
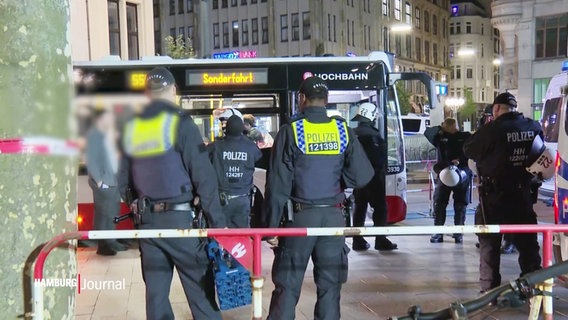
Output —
<point x="37" y="192"/>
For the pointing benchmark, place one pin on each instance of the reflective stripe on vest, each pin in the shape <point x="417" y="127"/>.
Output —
<point x="150" y="137"/>
<point x="329" y="138"/>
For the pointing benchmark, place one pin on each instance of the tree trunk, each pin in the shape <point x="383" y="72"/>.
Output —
<point x="37" y="192"/>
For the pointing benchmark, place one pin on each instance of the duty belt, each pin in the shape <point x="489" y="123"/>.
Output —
<point x="303" y="206"/>
<point x="492" y="183"/>
<point x="160" y="207"/>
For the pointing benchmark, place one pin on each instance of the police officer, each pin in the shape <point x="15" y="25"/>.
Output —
<point x="507" y="247"/>
<point x="312" y="160"/>
<point x="373" y="193"/>
<point x="234" y="158"/>
<point x="449" y="142"/>
<point x="500" y="149"/>
<point x="165" y="162"/>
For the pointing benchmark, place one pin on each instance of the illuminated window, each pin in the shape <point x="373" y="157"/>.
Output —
<point x="408" y="14"/>
<point x="417" y="18"/>
<point x="235" y="25"/>
<point x="397" y="8"/>
<point x="385" y="8"/>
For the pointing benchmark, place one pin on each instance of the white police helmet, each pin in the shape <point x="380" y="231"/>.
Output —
<point x="228" y="112"/>
<point x="452" y="176"/>
<point x="367" y="111"/>
<point x="543" y="166"/>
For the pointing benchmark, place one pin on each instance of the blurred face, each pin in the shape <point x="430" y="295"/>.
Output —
<point x="106" y="120"/>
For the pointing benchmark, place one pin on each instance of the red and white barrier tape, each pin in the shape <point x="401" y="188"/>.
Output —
<point x="39" y="145"/>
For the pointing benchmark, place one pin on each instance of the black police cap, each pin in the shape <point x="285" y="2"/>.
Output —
<point x="506" y="98"/>
<point x="159" y="78"/>
<point x="314" y="87"/>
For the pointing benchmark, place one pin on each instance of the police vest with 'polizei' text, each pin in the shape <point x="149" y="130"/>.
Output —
<point x="157" y="168"/>
<point x="328" y="138"/>
<point x="150" y="137"/>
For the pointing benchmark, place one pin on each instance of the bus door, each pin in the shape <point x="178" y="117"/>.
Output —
<point x="265" y="108"/>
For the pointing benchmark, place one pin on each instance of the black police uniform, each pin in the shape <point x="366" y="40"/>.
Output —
<point x="315" y="184"/>
<point x="450" y="147"/>
<point x="500" y="149"/>
<point x="234" y="158"/>
<point x="374" y="192"/>
<point x="165" y="185"/>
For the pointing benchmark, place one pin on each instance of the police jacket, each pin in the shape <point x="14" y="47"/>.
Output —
<point x="234" y="158"/>
<point x="169" y="166"/>
<point x="312" y="168"/>
<point x="501" y="147"/>
<point x="449" y="147"/>
<point x="374" y="146"/>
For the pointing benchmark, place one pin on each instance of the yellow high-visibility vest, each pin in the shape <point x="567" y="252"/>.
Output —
<point x="328" y="138"/>
<point x="150" y="137"/>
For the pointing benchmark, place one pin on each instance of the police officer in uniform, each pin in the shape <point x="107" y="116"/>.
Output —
<point x="501" y="149"/>
<point x="234" y="158"/>
<point x="374" y="192"/>
<point x="449" y="142"/>
<point x="312" y="160"/>
<point x="166" y="163"/>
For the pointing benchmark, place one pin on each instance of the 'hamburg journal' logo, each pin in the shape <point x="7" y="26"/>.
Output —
<point x="82" y="283"/>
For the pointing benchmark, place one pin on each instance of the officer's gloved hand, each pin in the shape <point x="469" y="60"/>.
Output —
<point x="134" y="206"/>
<point x="272" y="241"/>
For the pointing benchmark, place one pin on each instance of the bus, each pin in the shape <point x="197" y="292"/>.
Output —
<point x="550" y="119"/>
<point x="264" y="87"/>
<point x="560" y="241"/>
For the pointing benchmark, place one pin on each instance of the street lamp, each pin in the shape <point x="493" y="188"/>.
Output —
<point x="454" y="104"/>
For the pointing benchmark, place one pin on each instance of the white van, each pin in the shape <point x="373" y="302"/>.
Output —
<point x="413" y="124"/>
<point x="550" y="120"/>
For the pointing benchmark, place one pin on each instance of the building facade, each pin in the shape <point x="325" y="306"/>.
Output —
<point x="534" y="43"/>
<point x="297" y="28"/>
<point x="473" y="52"/>
<point x="114" y="27"/>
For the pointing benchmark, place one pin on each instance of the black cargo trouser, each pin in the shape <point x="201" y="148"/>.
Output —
<point x="364" y="197"/>
<point x="506" y="206"/>
<point x="461" y="196"/>
<point x="237" y="212"/>
<point x="329" y="256"/>
<point x="189" y="256"/>
<point x="107" y="206"/>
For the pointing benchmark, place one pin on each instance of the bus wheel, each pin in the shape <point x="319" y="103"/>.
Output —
<point x="560" y="250"/>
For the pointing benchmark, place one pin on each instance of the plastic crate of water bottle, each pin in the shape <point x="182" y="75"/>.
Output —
<point x="232" y="280"/>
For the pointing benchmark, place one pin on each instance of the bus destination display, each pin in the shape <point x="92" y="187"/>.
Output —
<point x="229" y="77"/>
